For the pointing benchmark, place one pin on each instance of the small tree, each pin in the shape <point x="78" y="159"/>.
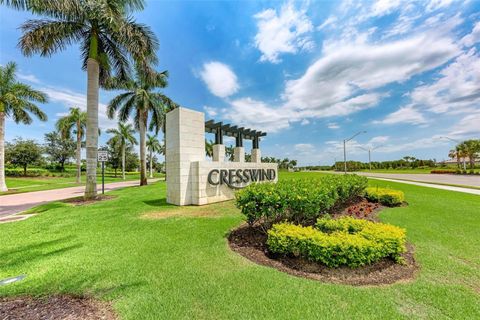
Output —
<point x="59" y="149"/>
<point x="23" y="153"/>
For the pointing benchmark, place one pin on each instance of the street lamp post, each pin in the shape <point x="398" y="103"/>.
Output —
<point x="369" y="150"/>
<point x="345" y="149"/>
<point x="457" y="141"/>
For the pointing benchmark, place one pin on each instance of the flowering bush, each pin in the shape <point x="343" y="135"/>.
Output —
<point x="300" y="201"/>
<point x="385" y="196"/>
<point x="345" y="241"/>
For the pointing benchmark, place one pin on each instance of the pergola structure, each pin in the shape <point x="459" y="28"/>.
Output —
<point x="220" y="129"/>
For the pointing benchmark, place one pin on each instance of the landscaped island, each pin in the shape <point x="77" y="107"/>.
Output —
<point x="291" y="222"/>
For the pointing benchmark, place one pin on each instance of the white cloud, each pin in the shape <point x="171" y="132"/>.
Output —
<point x="219" y="78"/>
<point x="378" y="140"/>
<point x="210" y="111"/>
<point x="473" y="37"/>
<point x="328" y="22"/>
<point x="438" y="4"/>
<point x="304" y="148"/>
<point x="407" y="114"/>
<point x="383" y="7"/>
<point x="28" y="77"/>
<point x="333" y="125"/>
<point x="468" y="126"/>
<point x="74" y="99"/>
<point x="286" y="31"/>
<point x="456" y="91"/>
<point x="305" y="122"/>
<point x="256" y="115"/>
<point x="330" y="85"/>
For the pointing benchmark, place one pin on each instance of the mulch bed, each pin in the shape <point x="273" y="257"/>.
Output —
<point x="250" y="242"/>
<point x="80" y="201"/>
<point x="57" y="307"/>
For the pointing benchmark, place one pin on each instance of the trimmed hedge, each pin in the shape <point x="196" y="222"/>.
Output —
<point x="385" y="196"/>
<point x="300" y="201"/>
<point x="342" y="242"/>
<point x="444" y="171"/>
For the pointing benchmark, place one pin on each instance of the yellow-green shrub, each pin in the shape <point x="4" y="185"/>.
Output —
<point x="385" y="196"/>
<point x="345" y="241"/>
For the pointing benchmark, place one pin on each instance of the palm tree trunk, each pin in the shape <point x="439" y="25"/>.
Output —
<point x="123" y="161"/>
<point x="3" y="185"/>
<point x="79" y="154"/>
<point x="151" y="167"/>
<point x="93" y="71"/>
<point x="143" y="148"/>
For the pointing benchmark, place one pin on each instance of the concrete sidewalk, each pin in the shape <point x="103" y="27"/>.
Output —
<point x="15" y="203"/>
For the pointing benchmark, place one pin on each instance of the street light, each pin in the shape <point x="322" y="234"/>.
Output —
<point x="457" y="141"/>
<point x="345" y="149"/>
<point x="369" y="156"/>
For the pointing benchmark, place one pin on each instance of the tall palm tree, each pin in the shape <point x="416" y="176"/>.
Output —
<point x="74" y="122"/>
<point x="16" y="101"/>
<point x="107" y="36"/>
<point x="153" y="146"/>
<point x="124" y="135"/>
<point x="141" y="99"/>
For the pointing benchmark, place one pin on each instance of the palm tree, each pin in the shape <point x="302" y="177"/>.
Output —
<point x="153" y="146"/>
<point x="74" y="122"/>
<point x="141" y="99"/>
<point x="16" y="101"/>
<point x="471" y="148"/>
<point x="107" y="37"/>
<point x="124" y="135"/>
<point x="462" y="153"/>
<point x="209" y="148"/>
<point x="453" y="154"/>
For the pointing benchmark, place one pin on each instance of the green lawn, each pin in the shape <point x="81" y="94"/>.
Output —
<point x="28" y="184"/>
<point x="410" y="171"/>
<point x="180" y="267"/>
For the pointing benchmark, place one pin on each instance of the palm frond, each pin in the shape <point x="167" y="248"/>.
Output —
<point x="47" y="36"/>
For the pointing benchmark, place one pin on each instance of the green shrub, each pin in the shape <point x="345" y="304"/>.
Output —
<point x="385" y="196"/>
<point x="342" y="242"/>
<point x="300" y="201"/>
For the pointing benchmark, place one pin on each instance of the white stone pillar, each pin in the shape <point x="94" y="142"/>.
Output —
<point x="239" y="154"/>
<point x="218" y="152"/>
<point x="185" y="143"/>
<point x="256" y="156"/>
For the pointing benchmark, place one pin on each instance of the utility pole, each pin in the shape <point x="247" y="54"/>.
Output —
<point x="345" y="149"/>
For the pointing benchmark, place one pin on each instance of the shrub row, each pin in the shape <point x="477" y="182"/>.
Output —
<point x="300" y="201"/>
<point x="387" y="197"/>
<point x="445" y="171"/>
<point x="342" y="242"/>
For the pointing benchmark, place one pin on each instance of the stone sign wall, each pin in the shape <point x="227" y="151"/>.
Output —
<point x="191" y="179"/>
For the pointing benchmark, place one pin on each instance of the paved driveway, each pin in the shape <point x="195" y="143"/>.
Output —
<point x="15" y="203"/>
<point x="464" y="180"/>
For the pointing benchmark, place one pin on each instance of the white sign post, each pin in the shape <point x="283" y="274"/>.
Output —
<point x="103" y="156"/>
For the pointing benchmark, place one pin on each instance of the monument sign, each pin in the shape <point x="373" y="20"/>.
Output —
<point x="191" y="179"/>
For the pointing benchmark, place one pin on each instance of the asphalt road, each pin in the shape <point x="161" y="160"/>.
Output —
<point x="463" y="180"/>
<point x="15" y="203"/>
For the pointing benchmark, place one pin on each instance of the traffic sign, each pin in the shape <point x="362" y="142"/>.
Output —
<point x="102" y="155"/>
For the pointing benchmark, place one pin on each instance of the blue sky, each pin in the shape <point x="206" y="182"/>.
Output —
<point x="308" y="73"/>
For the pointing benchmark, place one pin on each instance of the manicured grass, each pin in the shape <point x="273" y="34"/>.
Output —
<point x="178" y="264"/>
<point x="28" y="184"/>
<point x="412" y="171"/>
